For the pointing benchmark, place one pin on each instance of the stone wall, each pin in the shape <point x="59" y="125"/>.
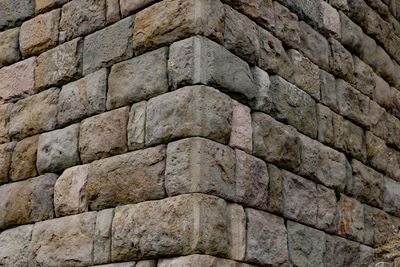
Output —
<point x="198" y="133"/>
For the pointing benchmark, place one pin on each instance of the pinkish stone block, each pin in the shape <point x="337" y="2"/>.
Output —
<point x="241" y="135"/>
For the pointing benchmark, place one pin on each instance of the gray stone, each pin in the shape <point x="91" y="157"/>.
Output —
<point x="382" y="93"/>
<point x="395" y="101"/>
<point x="82" y="98"/>
<point x="327" y="216"/>
<point x="9" y="49"/>
<point x="341" y="252"/>
<point x="307" y="10"/>
<point x="325" y="125"/>
<point x="131" y="6"/>
<point x="329" y="20"/>
<point x="378" y="226"/>
<point x="197" y="260"/>
<point x="368" y="52"/>
<point x="275" y="187"/>
<point x="366" y="254"/>
<point x="23" y="164"/>
<point x="364" y="80"/>
<point x="138" y="79"/>
<point x="328" y="89"/>
<point x="263" y="99"/>
<point x="386" y="127"/>
<point x="146" y="263"/>
<point x="108" y="46"/>
<point x="190" y="111"/>
<point x="351" y="219"/>
<point x="4" y="122"/>
<point x="237" y="232"/>
<point x="112" y="11"/>
<point x="136" y="126"/>
<point x="352" y="35"/>
<point x="14" y="246"/>
<point x="383" y="65"/>
<point x="6" y="151"/>
<point x="286" y="26"/>
<point x="13" y="13"/>
<point x="391" y="201"/>
<point x="394" y="44"/>
<point x="341" y="61"/>
<point x="129" y="178"/>
<point x="58" y="150"/>
<point x="102" y="242"/>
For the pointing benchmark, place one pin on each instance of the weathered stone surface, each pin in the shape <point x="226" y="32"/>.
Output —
<point x="299" y="199"/>
<point x="198" y="165"/>
<point x="378" y="226"/>
<point x="190" y="111"/>
<point x="366" y="254"/>
<point x="4" y="122"/>
<point x="391" y="201"/>
<point x="275" y="142"/>
<point x="306" y="245"/>
<point x="9" y="49"/>
<point x="339" y="4"/>
<point x="6" y="151"/>
<point x="352" y="35"/>
<point x="112" y="11"/>
<point x="263" y="99"/>
<point x="351" y="218"/>
<point x="124" y="179"/>
<point x="59" y="65"/>
<point x="368" y="52"/>
<point x="383" y="65"/>
<point x="58" y="150"/>
<point x="275" y="187"/>
<point x="197" y="260"/>
<point x="27" y="201"/>
<point x="325" y="125"/>
<point x="181" y="225"/>
<point x="266" y="239"/>
<point x="96" y="51"/>
<point x="138" y="79"/>
<point x="395" y="101"/>
<point x="237" y="232"/>
<point x="286" y="26"/>
<point x="23" y="164"/>
<point x="66" y="241"/>
<point x="329" y="20"/>
<point x="70" y="191"/>
<point x="14" y="244"/>
<point x="241" y="35"/>
<point x="35" y="114"/>
<point x="39" y="34"/>
<point x="18" y="80"/>
<point x="102" y="242"/>
<point x="341" y="61"/>
<point x="136" y="126"/>
<point x="382" y="93"/>
<point x="103" y="135"/>
<point x="146" y="263"/>
<point x="12" y="13"/>
<point x="386" y="126"/>
<point x="131" y="6"/>
<point x="241" y="135"/>
<point x="314" y="46"/>
<point x="80" y="17"/>
<point x="394" y="44"/>
<point x="306" y="10"/>
<point x="199" y="60"/>
<point x="177" y="19"/>
<point x="327" y="217"/>
<point x="82" y="98"/>
<point x="364" y="79"/>
<point x="42" y="6"/>
<point x="328" y="89"/>
<point x="341" y="252"/>
<point x="305" y="75"/>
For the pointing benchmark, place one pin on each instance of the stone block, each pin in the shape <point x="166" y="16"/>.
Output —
<point x="395" y="102"/>
<point x="327" y="215"/>
<point x="386" y="127"/>
<point x="23" y="164"/>
<point x="328" y="89"/>
<point x="58" y="150"/>
<point x="6" y="151"/>
<point x="112" y="11"/>
<point x="190" y="111"/>
<point x="394" y="44"/>
<point x="39" y="34"/>
<point x="237" y="232"/>
<point x="103" y="135"/>
<point x="59" y="65"/>
<point x="35" y="114"/>
<point x="66" y="241"/>
<point x="325" y="125"/>
<point x="42" y="6"/>
<point x="306" y="10"/>
<point x="366" y="254"/>
<point x="378" y="226"/>
<point x="241" y="135"/>
<point x="185" y="22"/>
<point x="199" y="60"/>
<point x="18" y="80"/>
<point x="124" y="179"/>
<point x="266" y="239"/>
<point x="146" y="263"/>
<point x="102" y="242"/>
<point x="27" y="201"/>
<point x="138" y="79"/>
<point x="352" y="35"/>
<point x="9" y="47"/>
<point x="286" y="26"/>
<point x="263" y="99"/>
<point x="80" y="17"/>
<point x="351" y="219"/>
<point x="364" y="77"/>
<point x="339" y="4"/>
<point x="82" y="98"/>
<point x="275" y="188"/>
<point x="341" y="252"/>
<point x="136" y="126"/>
<point x="391" y="201"/>
<point x="4" y="122"/>
<point x="329" y="20"/>
<point x="132" y="6"/>
<point x="108" y="46"/>
<point x="341" y="61"/>
<point x="13" y="13"/>
<point x="14" y="244"/>
<point x="382" y="93"/>
<point x="197" y="260"/>
<point x="70" y="191"/>
<point x="383" y="65"/>
<point x="368" y="52"/>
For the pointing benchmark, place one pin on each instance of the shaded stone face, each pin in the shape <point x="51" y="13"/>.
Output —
<point x="9" y="47"/>
<point x="15" y="246"/>
<point x="23" y="164"/>
<point x="12" y="13"/>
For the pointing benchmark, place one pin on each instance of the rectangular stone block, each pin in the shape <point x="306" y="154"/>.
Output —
<point x="102" y="242"/>
<point x="237" y="232"/>
<point x="42" y="6"/>
<point x="378" y="226"/>
<point x="108" y="46"/>
<point x="241" y="134"/>
<point x="13" y="13"/>
<point x="9" y="47"/>
<point x="286" y="26"/>
<point x="35" y="114"/>
<point x="129" y="178"/>
<point x="136" y="126"/>
<point x="198" y="260"/>
<point x="112" y="11"/>
<point x="351" y="219"/>
<point x="341" y="252"/>
<point x="329" y="20"/>
<point x="181" y="225"/>
<point x="325" y="125"/>
<point x="341" y="61"/>
<point x="386" y="126"/>
<point x="352" y="35"/>
<point x="200" y="60"/>
<point x="6" y="151"/>
<point x="263" y="99"/>
<point x="382" y="93"/>
<point x="18" y="80"/>
<point x="275" y="187"/>
<point x="391" y="200"/>
<point x="190" y="111"/>
<point x="306" y="10"/>
<point x="364" y="79"/>
<point x="328" y="89"/>
<point x="59" y="65"/>
<point x="14" y="246"/>
<point x="82" y="98"/>
<point x="27" y="201"/>
<point x="138" y="79"/>
<point x="184" y="15"/>
<point x="66" y="241"/>
<point x="131" y="6"/>
<point x="23" y="164"/>
<point x="327" y="215"/>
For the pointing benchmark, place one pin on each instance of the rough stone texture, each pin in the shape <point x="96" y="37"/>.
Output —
<point x="59" y="65"/>
<point x="18" y="80"/>
<point x="382" y="93"/>
<point x="306" y="245"/>
<point x="378" y="226"/>
<point x="23" y="164"/>
<point x="112" y="11"/>
<point x="190" y="111"/>
<point x="391" y="201"/>
<point x="80" y="17"/>
<point x="329" y="20"/>
<point x="14" y="244"/>
<point x="136" y="126"/>
<point x="237" y="232"/>
<point x="263" y="99"/>
<point x="39" y="34"/>
<point x="42" y="6"/>
<point x="4" y="122"/>
<point x="352" y="35"/>
<point x="6" y="151"/>
<point x="241" y="135"/>
<point x="275" y="187"/>
<point x="286" y="26"/>
<point x="102" y="242"/>
<point x="351" y="218"/>
<point x="306" y="10"/>
<point x="368" y="52"/>
<point x="341" y="61"/>
<point x="395" y="101"/>
<point x="266" y="239"/>
<point x="196" y="260"/>
<point x="35" y="114"/>
<point x="199" y="60"/>
<point x="27" y="201"/>
<point x="103" y="135"/>
<point x="146" y="263"/>
<point x="364" y="78"/>
<point x="328" y="89"/>
<point x="82" y="98"/>
<point x="58" y="150"/>
<point x="341" y="252"/>
<point x="9" y="47"/>
<point x="131" y="6"/>
<point x="327" y="209"/>
<point x="198" y="165"/>
<point x="175" y="20"/>
<point x="12" y="13"/>
<point x="66" y="241"/>
<point x="96" y="51"/>
<point x="129" y="178"/>
<point x="70" y="191"/>
<point x="181" y="225"/>
<point x="138" y="79"/>
<point x="325" y="125"/>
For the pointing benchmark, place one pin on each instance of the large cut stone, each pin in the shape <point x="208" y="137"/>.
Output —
<point x="307" y="10"/>
<point x="13" y="13"/>
<point x="136" y="126"/>
<point x="9" y="47"/>
<point x="131" y="6"/>
<point x="351" y="218"/>
<point x="329" y="20"/>
<point x="286" y="25"/>
<point x="6" y="151"/>
<point x="112" y="11"/>
<point x="391" y="201"/>
<point x="14" y="246"/>
<point x="23" y="164"/>
<point x="275" y="187"/>
<point x="175" y="20"/>
<point x="102" y="242"/>
<point x="327" y="209"/>
<point x="378" y="226"/>
<point x="341" y="61"/>
<point x="197" y="260"/>
<point x="364" y="79"/>
<point x="328" y="89"/>
<point x="45" y="5"/>
<point x="325" y="125"/>
<point x="190" y="111"/>
<point x="341" y="252"/>
<point x="382" y="93"/>
<point x="241" y="135"/>
<point x="138" y="79"/>
<point x="263" y="99"/>
<point x="352" y="34"/>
